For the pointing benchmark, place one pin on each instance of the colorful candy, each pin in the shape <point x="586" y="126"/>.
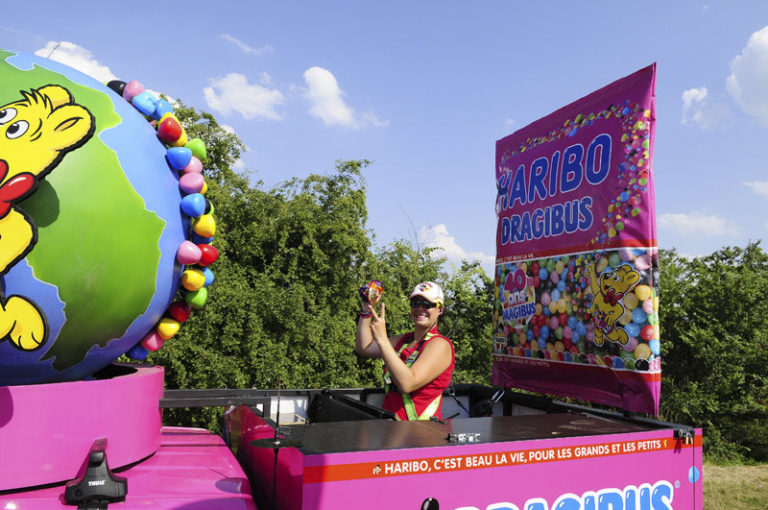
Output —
<point x="188" y="253"/>
<point x="178" y="157"/>
<point x="186" y="156"/>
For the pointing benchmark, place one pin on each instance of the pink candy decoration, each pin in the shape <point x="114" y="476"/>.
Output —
<point x="195" y="166"/>
<point x="648" y="306"/>
<point x="191" y="183"/>
<point x="631" y="344"/>
<point x="643" y="262"/>
<point x="554" y="323"/>
<point x="132" y="88"/>
<point x="152" y="341"/>
<point x="626" y="254"/>
<point x="188" y="253"/>
<point x="545" y="299"/>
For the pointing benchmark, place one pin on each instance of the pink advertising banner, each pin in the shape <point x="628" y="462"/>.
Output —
<point x="576" y="279"/>
<point x="639" y="471"/>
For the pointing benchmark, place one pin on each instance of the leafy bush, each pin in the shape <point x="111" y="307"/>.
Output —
<point x="715" y="348"/>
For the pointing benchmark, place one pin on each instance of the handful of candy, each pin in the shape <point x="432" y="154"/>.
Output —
<point x="371" y="291"/>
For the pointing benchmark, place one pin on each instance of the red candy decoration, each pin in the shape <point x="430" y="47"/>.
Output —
<point x="180" y="311"/>
<point x="648" y="332"/>
<point x="210" y="254"/>
<point x="169" y="130"/>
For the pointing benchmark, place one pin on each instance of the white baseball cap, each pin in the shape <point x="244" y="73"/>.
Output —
<point x="429" y="291"/>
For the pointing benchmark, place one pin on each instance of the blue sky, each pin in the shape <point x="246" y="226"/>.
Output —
<point x="424" y="89"/>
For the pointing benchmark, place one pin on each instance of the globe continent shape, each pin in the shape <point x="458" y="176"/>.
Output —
<point x="108" y="223"/>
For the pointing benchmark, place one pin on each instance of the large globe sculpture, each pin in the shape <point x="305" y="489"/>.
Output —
<point x="90" y="223"/>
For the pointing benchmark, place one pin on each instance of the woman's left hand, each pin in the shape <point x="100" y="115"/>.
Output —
<point x="379" y="326"/>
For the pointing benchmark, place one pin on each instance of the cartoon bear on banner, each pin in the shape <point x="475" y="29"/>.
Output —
<point x="608" y="291"/>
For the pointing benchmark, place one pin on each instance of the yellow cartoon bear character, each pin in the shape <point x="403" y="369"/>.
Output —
<point x="608" y="291"/>
<point x="35" y="134"/>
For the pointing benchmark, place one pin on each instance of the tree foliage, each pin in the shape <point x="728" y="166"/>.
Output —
<point x="715" y="348"/>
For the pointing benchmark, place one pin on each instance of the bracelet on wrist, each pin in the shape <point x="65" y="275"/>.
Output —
<point x="366" y="315"/>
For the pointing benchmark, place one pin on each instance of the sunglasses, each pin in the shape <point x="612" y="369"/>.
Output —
<point x="415" y="303"/>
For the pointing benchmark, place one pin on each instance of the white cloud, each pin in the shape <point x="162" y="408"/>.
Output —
<point x="369" y="117"/>
<point x="327" y="102"/>
<point x="76" y="57"/>
<point x="748" y="81"/>
<point x="233" y="94"/>
<point x="759" y="187"/>
<point x="267" y="48"/>
<point x="324" y="93"/>
<point x="437" y="236"/>
<point x="695" y="224"/>
<point x="700" y="110"/>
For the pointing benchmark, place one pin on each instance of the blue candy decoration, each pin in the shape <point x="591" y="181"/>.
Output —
<point x="161" y="108"/>
<point x="193" y="205"/>
<point x="178" y="157"/>
<point x="145" y="103"/>
<point x="208" y="276"/>
<point x="137" y="352"/>
<point x="639" y="316"/>
<point x="632" y="329"/>
<point x="655" y="346"/>
<point x="198" y="239"/>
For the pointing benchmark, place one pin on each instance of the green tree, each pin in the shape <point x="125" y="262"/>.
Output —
<point x="715" y="335"/>
<point x="469" y="322"/>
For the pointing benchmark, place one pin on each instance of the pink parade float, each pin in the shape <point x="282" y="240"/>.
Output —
<point x="78" y="430"/>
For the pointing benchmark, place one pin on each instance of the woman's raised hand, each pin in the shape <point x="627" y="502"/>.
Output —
<point x="378" y="325"/>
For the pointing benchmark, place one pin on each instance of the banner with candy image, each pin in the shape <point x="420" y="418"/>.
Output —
<point x="576" y="280"/>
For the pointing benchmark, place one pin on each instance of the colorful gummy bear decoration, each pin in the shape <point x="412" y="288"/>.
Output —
<point x="186" y="157"/>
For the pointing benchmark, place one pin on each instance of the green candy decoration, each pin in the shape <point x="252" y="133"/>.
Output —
<point x="197" y="298"/>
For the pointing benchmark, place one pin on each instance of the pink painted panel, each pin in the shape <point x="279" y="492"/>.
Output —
<point x="193" y="469"/>
<point x="637" y="471"/>
<point x="46" y="430"/>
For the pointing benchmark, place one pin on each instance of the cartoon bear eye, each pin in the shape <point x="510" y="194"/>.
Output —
<point x="7" y="115"/>
<point x="17" y="129"/>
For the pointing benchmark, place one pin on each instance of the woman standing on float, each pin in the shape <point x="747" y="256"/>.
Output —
<point x="419" y="364"/>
